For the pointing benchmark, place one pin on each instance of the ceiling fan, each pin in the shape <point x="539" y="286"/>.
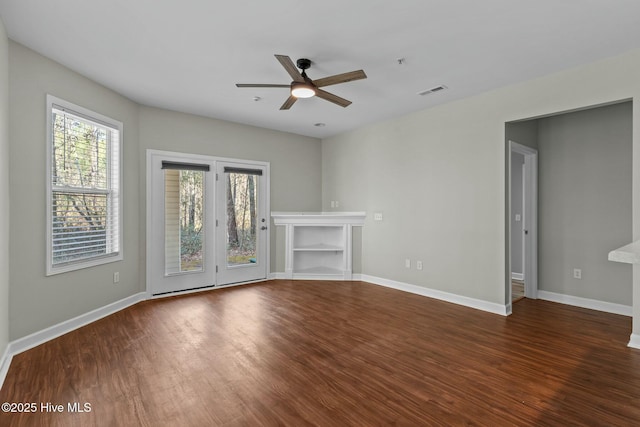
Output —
<point x="303" y="87"/>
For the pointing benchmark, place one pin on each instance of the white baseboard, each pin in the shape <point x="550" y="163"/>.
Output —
<point x="427" y="292"/>
<point x="283" y="276"/>
<point x="592" y="304"/>
<point x="4" y="365"/>
<point x="517" y="276"/>
<point x="40" y="337"/>
<point x="491" y="307"/>
<point x="634" y="341"/>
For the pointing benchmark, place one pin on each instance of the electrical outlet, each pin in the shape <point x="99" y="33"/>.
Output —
<point x="577" y="273"/>
<point x="337" y="204"/>
<point x="418" y="265"/>
<point x="116" y="277"/>
<point x="407" y="263"/>
<point x="333" y="203"/>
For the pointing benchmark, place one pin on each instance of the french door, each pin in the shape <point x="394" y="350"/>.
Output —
<point x="206" y="222"/>
<point x="242" y="226"/>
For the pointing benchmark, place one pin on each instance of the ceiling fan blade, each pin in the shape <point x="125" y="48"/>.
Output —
<point x="332" y="98"/>
<point x="260" y="85"/>
<point x="340" y="78"/>
<point x="291" y="68"/>
<point x="289" y="102"/>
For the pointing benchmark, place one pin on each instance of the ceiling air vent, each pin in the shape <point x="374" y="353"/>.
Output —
<point x="432" y="90"/>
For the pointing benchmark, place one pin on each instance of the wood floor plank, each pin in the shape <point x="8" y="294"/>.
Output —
<point x="332" y="353"/>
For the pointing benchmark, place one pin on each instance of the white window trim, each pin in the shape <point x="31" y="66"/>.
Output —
<point x="99" y="118"/>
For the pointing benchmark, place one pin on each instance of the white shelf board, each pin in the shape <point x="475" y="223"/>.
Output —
<point x="629" y="254"/>
<point x="318" y="247"/>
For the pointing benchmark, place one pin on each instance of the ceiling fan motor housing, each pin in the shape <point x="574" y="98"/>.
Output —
<point x="303" y="63"/>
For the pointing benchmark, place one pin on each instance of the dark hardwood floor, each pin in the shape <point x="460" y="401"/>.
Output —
<point x="332" y="354"/>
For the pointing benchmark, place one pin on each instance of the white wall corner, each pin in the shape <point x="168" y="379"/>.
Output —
<point x="508" y="308"/>
<point x="592" y="304"/>
<point x="634" y="341"/>
<point x="503" y="310"/>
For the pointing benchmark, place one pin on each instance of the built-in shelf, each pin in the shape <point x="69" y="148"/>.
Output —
<point x="318" y="244"/>
<point x="629" y="254"/>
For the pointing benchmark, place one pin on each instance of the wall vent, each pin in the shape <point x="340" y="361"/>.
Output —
<point x="432" y="90"/>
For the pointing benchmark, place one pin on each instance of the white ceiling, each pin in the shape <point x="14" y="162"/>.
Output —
<point x="187" y="55"/>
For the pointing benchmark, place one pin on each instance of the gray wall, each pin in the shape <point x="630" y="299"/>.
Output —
<point x="4" y="190"/>
<point x="37" y="301"/>
<point x="294" y="160"/>
<point x="438" y="175"/>
<point x="517" y="162"/>
<point x="585" y="194"/>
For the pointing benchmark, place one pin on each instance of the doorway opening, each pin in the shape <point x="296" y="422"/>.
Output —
<point x="522" y="210"/>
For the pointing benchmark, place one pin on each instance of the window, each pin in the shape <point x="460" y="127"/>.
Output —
<point x="83" y="188"/>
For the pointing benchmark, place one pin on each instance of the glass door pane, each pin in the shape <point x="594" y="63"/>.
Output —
<point x="242" y="219"/>
<point x="184" y="221"/>
<point x="181" y="223"/>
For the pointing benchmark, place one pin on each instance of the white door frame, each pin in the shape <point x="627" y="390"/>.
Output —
<point x="530" y="219"/>
<point x="153" y="264"/>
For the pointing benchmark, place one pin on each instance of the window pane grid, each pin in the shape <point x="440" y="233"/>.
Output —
<point x="84" y="181"/>
<point x="80" y="152"/>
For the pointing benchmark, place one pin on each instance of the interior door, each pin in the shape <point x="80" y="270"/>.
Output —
<point x="181" y="243"/>
<point x="241" y="222"/>
<point x="529" y="220"/>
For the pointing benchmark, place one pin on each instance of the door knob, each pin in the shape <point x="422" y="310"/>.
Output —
<point x="264" y="227"/>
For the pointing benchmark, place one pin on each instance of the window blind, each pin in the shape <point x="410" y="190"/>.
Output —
<point x="84" y="188"/>
<point x="184" y="166"/>
<point x="246" y="171"/>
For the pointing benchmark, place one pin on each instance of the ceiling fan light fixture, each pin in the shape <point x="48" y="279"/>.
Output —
<point x="302" y="90"/>
<point x="303" y="87"/>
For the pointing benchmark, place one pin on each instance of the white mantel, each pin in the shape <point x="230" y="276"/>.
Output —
<point x="284" y="218"/>
<point x="318" y="245"/>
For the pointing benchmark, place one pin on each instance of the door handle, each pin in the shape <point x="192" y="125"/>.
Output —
<point x="526" y="231"/>
<point x="264" y="227"/>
